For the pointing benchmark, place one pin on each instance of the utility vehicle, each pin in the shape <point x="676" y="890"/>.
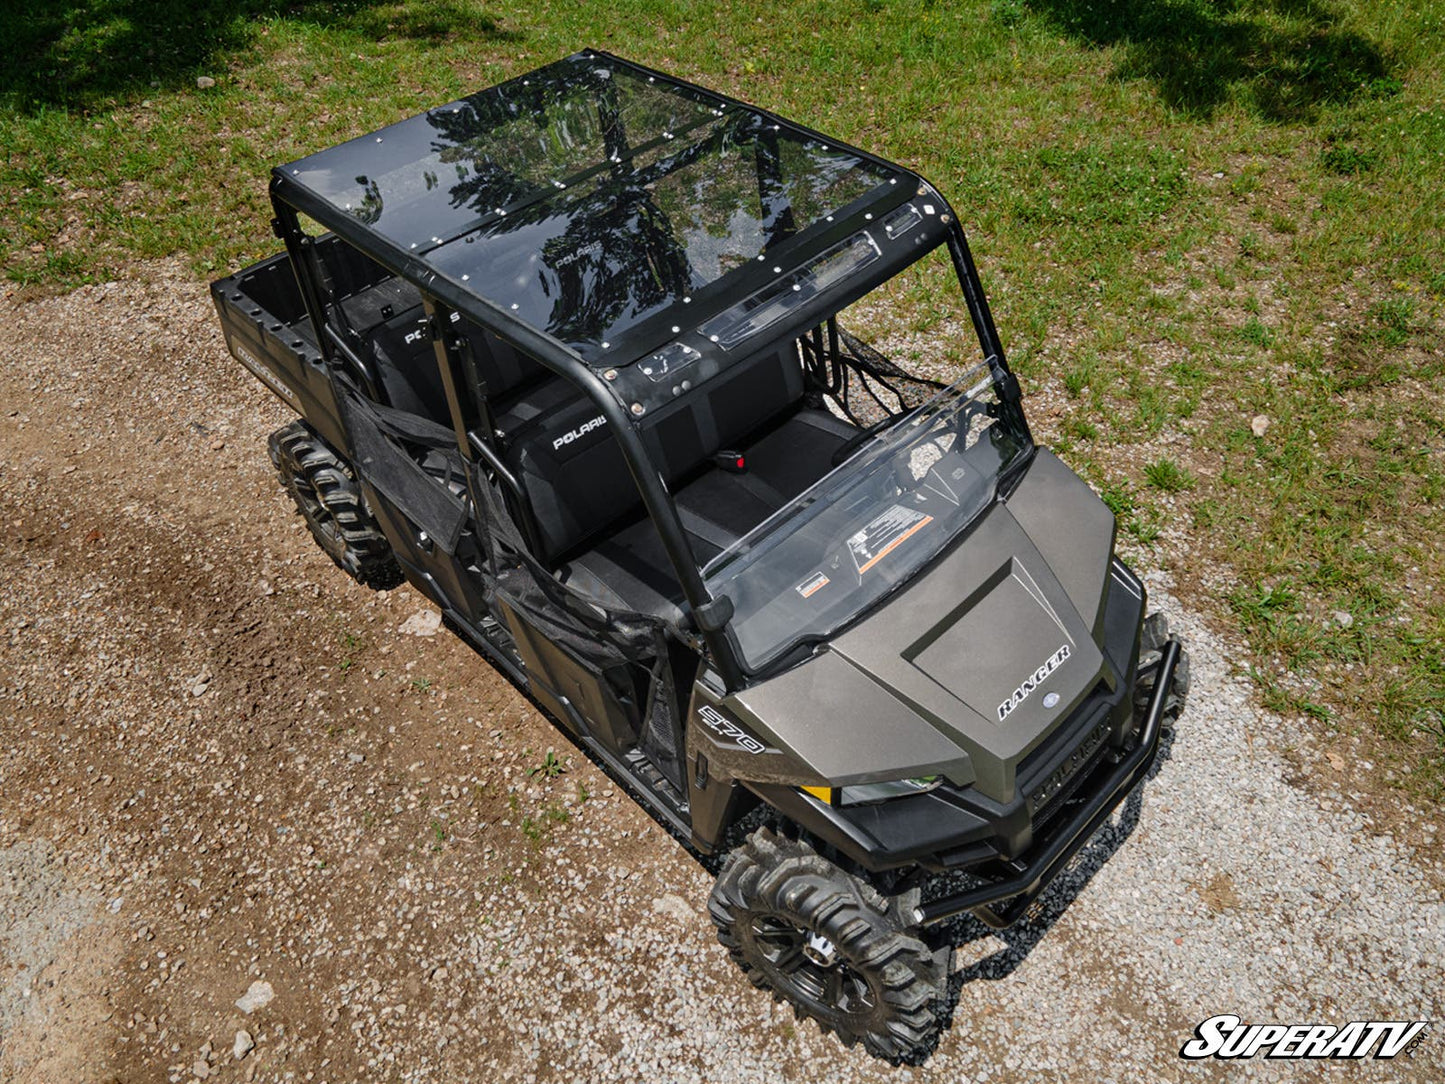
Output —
<point x="567" y="356"/>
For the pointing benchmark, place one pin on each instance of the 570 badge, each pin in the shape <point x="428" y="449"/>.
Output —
<point x="724" y="727"/>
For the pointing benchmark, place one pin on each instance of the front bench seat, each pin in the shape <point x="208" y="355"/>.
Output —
<point x="556" y="440"/>
<point x="630" y="570"/>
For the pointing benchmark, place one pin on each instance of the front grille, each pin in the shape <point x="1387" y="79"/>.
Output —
<point x="1055" y="769"/>
<point x="1048" y="797"/>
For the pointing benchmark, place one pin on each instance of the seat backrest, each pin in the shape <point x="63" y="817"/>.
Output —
<point x="407" y="364"/>
<point x="576" y="477"/>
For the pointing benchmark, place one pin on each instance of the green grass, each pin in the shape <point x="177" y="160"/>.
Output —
<point x="1186" y="214"/>
<point x="1168" y="476"/>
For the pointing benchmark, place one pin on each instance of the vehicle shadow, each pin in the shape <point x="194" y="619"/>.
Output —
<point x="1021" y="938"/>
<point x="75" y="53"/>
<point x="1281" y="58"/>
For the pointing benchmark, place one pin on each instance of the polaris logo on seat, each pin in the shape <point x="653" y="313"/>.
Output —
<point x="580" y="432"/>
<point x="1033" y="681"/>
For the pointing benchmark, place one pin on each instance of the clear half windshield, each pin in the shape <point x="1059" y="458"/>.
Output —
<point x="869" y="525"/>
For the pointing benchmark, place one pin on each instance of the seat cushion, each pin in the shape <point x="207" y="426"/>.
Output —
<point x="629" y="569"/>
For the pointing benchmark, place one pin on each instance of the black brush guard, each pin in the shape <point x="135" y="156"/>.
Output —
<point x="1066" y="840"/>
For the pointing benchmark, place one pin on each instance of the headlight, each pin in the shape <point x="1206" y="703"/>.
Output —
<point x="868" y="793"/>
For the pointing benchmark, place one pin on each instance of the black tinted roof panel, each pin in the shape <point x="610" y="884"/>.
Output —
<point x="591" y="195"/>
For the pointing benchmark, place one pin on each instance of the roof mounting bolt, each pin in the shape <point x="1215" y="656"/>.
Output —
<point x="777" y="270"/>
<point x="922" y="191"/>
<point x="687" y="385"/>
<point x="797" y="288"/>
<point x="638" y="409"/>
<point x="712" y="338"/>
<point x="892" y="180"/>
<point x="378" y="139"/>
<point x="675" y="329"/>
<point x="830" y="218"/>
<point x="514" y="306"/>
<point x="868" y="217"/>
<point x="466" y="278"/>
<point x="610" y="374"/>
<point x="606" y="345"/>
<point x="687" y="301"/>
<point x="413" y="244"/>
<point x="944" y="218"/>
<point x="677" y="389"/>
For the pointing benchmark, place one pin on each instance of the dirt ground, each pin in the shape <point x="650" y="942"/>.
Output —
<point x="222" y="764"/>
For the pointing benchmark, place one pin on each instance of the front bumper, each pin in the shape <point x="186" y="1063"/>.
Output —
<point x="1064" y="838"/>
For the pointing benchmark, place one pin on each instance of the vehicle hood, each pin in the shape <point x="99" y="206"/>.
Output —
<point x="971" y="665"/>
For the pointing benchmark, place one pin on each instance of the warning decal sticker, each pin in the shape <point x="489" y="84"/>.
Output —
<point x="885" y="534"/>
<point x="812" y="585"/>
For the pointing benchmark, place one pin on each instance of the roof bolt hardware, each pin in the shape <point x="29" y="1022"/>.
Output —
<point x="944" y="218"/>
<point x="637" y="409"/>
<point x="922" y="191"/>
<point x="610" y="374"/>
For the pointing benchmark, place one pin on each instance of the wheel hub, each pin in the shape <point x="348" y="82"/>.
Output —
<point x="820" y="950"/>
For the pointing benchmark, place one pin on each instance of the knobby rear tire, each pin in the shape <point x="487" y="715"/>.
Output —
<point x="324" y="488"/>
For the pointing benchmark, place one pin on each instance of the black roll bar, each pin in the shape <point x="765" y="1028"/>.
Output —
<point x="709" y="614"/>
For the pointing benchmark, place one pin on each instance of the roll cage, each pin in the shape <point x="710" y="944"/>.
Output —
<point x="497" y="202"/>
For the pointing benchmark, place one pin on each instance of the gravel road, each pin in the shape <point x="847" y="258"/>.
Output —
<point x="222" y="763"/>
